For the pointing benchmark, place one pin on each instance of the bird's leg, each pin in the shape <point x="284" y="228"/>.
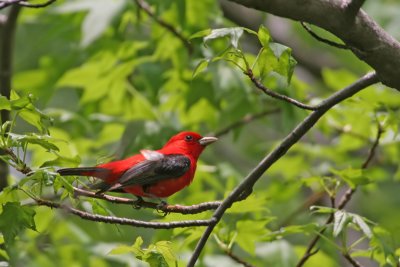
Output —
<point x="137" y="204"/>
<point x="161" y="207"/>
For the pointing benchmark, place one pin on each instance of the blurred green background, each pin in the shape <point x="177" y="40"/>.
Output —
<point x="114" y="81"/>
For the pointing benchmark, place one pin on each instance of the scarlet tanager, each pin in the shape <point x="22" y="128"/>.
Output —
<point x="155" y="174"/>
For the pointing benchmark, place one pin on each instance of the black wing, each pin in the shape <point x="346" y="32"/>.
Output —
<point x="150" y="172"/>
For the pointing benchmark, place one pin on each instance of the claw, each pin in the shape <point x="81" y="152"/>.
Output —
<point x="138" y="203"/>
<point x="160" y="208"/>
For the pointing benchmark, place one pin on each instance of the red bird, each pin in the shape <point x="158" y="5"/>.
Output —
<point x="155" y="174"/>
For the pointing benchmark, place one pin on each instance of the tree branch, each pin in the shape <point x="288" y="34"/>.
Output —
<point x="292" y="138"/>
<point x="7" y="3"/>
<point x="273" y="94"/>
<point x="6" y="53"/>
<point x="368" y="41"/>
<point x="142" y="4"/>
<point x="237" y="258"/>
<point x="24" y="3"/>
<point x="354" y="7"/>
<point x="122" y="221"/>
<point x="351" y="260"/>
<point x="343" y="202"/>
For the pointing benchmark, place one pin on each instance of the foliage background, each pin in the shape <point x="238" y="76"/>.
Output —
<point x="108" y="80"/>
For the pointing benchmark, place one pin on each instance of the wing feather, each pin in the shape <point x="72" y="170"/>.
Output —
<point x="149" y="172"/>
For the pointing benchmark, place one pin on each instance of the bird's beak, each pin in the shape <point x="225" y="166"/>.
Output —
<point x="207" y="140"/>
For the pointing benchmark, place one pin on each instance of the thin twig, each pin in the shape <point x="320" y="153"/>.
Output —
<point x="193" y="209"/>
<point x="343" y="201"/>
<point x="122" y="221"/>
<point x="278" y="152"/>
<point x="20" y="165"/>
<point x="245" y="120"/>
<point x="323" y="40"/>
<point x="237" y="258"/>
<point x="273" y="94"/>
<point x="146" y="8"/>
<point x="351" y="260"/>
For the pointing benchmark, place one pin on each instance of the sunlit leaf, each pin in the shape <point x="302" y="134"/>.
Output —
<point x="5" y="103"/>
<point x="358" y="220"/>
<point x="200" y="67"/>
<point x="44" y="141"/>
<point x="234" y="35"/>
<point x="264" y="36"/>
<point x="341" y="219"/>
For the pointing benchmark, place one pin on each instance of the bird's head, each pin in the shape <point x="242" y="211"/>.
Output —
<point x="189" y="143"/>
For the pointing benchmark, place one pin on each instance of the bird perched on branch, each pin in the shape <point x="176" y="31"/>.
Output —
<point x="154" y="174"/>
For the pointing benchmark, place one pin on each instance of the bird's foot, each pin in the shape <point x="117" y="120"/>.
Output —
<point x="137" y="204"/>
<point x="161" y="208"/>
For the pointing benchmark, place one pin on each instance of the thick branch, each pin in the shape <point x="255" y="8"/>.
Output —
<point x="6" y="53"/>
<point x="122" y="221"/>
<point x="362" y="34"/>
<point x="6" y="3"/>
<point x="278" y="152"/>
<point x="26" y="4"/>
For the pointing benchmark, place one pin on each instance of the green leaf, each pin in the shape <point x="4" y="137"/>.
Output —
<point x="322" y="209"/>
<point x="156" y="259"/>
<point x="234" y="35"/>
<point x="32" y="138"/>
<point x="135" y="248"/>
<point x="202" y="65"/>
<point x="20" y="103"/>
<point x="65" y="184"/>
<point x="200" y="34"/>
<point x="252" y="204"/>
<point x="5" y="103"/>
<point x="15" y="218"/>
<point x="98" y="208"/>
<point x="264" y="36"/>
<point x="249" y="232"/>
<point x="165" y="248"/>
<point x="341" y="219"/>
<point x="62" y="161"/>
<point x="353" y="177"/>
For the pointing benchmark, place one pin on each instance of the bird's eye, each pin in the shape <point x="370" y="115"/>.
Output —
<point x="188" y="138"/>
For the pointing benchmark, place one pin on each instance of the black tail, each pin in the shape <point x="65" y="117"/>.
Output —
<point x="102" y="187"/>
<point x="84" y="171"/>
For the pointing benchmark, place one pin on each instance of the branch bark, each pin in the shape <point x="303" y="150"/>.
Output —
<point x="368" y="41"/>
<point x="6" y="53"/>
<point x="291" y="139"/>
<point x="122" y="221"/>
